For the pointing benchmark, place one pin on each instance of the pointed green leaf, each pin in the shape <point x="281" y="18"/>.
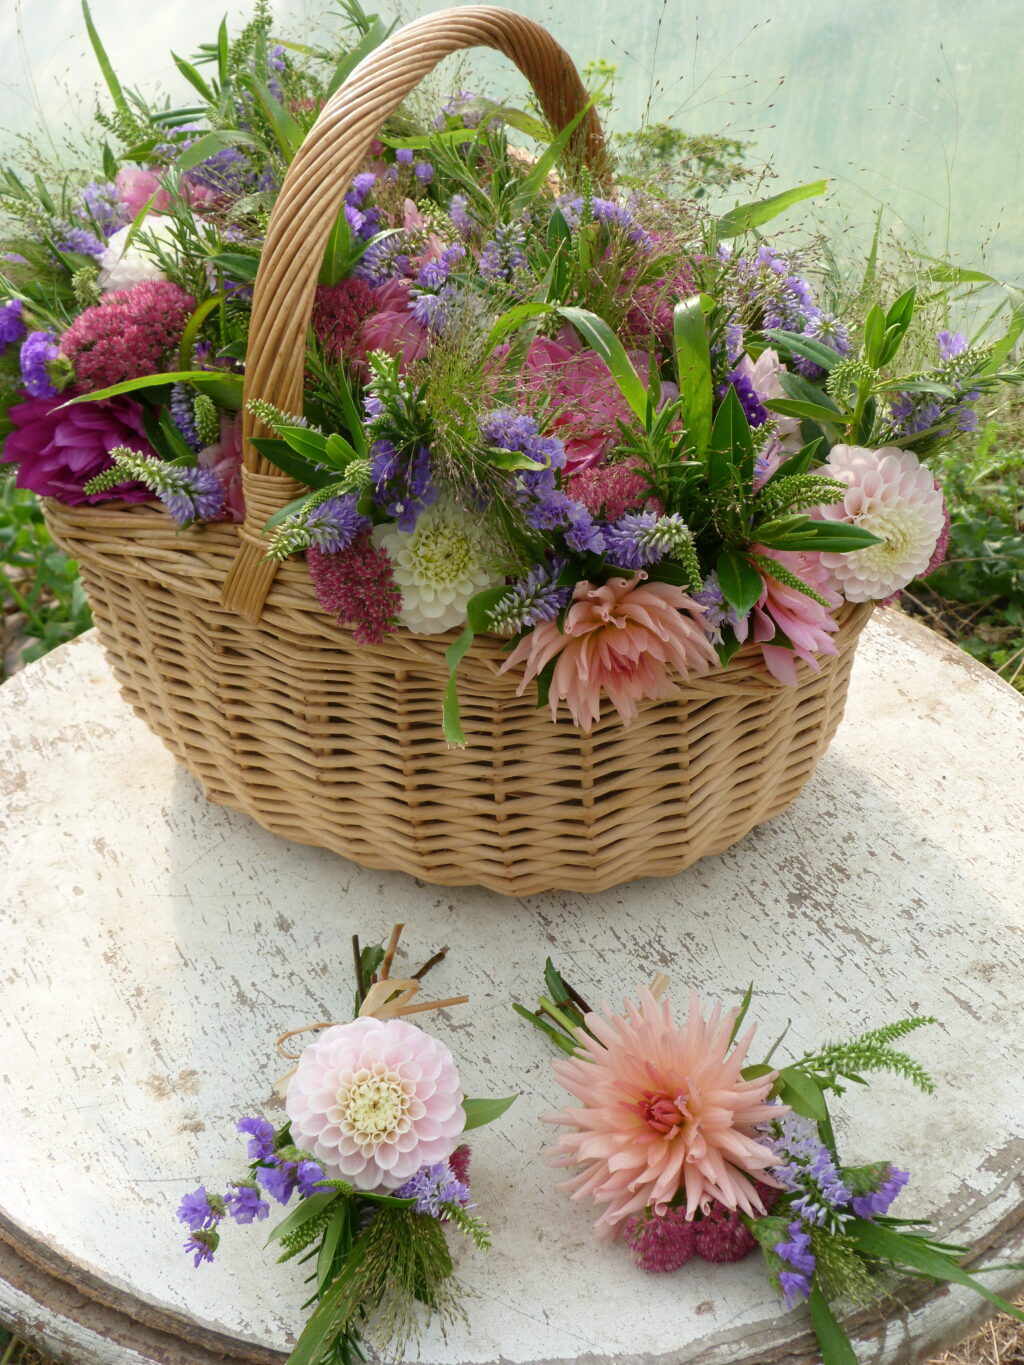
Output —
<point x="193" y="77"/>
<point x="329" y="1245"/>
<point x="223" y="69"/>
<point x="534" y="182"/>
<point x="476" y="624"/>
<point x="195" y="322"/>
<point x="302" y="1213"/>
<point x="216" y="384"/>
<point x="693" y="369"/>
<point x="741" y="584"/>
<point x="812" y="412"/>
<point x="874" y="335"/>
<point x="112" y="83"/>
<point x="611" y="350"/>
<point x="834" y="1343"/>
<point x="803" y="1094"/>
<point x="367" y="44"/>
<point x="210" y="144"/>
<point x="303" y="471"/>
<point x="748" y="216"/>
<point x="731" y="448"/>
<point x="479" y="1112"/>
<point x="511" y="320"/>
<point x="831" y="537"/>
<point x="822" y="356"/>
<point x="334" y="266"/>
<point x="335" y="1313"/>
<point x="741" y="1013"/>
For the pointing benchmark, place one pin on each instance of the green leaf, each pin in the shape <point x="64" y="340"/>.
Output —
<point x="823" y="356"/>
<point x="195" y="322"/>
<point x="693" y="369"/>
<point x="352" y="418"/>
<point x="511" y="320"/>
<point x="302" y="1213"/>
<point x="193" y="77"/>
<point x="803" y="1094"/>
<point x="830" y="537"/>
<point x="741" y="1014"/>
<point x="479" y="1112"/>
<point x="556" y="1035"/>
<point x="874" y="336"/>
<point x="611" y="350"/>
<point x="337" y="252"/>
<point x="741" y="584"/>
<point x="834" y="1343"/>
<point x="311" y="445"/>
<point x="223" y="69"/>
<point x="284" y="512"/>
<point x="731" y="450"/>
<point x="758" y="1069"/>
<point x="796" y="386"/>
<point x="533" y="184"/>
<point x="510" y="459"/>
<point x="288" y="133"/>
<point x="113" y="84"/>
<point x="367" y="44"/>
<point x="236" y="264"/>
<point x="811" y="412"/>
<point x="212" y="143"/>
<point x="339" y="1305"/>
<point x="477" y="611"/>
<point x="762" y="211"/>
<point x="303" y="471"/>
<point x="905" y="1249"/>
<point x="216" y="384"/>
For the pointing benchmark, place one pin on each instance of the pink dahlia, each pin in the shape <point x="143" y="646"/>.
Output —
<point x="391" y="327"/>
<point x="893" y="495"/>
<point x="806" y="624"/>
<point x="136" y="186"/>
<point x="128" y="335"/>
<point x="663" y="1111"/>
<point x="59" y="449"/>
<point x="376" y="1100"/>
<point x="224" y="458"/>
<point x="622" y="638"/>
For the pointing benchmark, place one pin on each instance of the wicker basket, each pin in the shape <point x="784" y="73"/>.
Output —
<point x="230" y="660"/>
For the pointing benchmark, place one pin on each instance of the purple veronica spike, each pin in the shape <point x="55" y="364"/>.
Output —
<point x="335" y="523"/>
<point x="432" y="1187"/>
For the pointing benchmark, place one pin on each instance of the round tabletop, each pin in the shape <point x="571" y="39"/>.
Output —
<point x="154" y="946"/>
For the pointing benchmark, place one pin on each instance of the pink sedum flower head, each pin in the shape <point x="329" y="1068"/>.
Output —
<point x="895" y="497"/>
<point x="376" y="1100"/>
<point x="663" y="1110"/>
<point x="624" y="639"/>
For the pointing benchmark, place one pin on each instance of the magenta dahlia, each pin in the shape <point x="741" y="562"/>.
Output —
<point x="59" y="449"/>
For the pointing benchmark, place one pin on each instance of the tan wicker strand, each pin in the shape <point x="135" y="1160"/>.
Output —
<point x="281" y="715"/>
<point x="313" y="194"/>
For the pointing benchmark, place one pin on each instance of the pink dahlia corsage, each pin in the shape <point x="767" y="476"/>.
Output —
<point x="374" y="1148"/>
<point x="688" y="1149"/>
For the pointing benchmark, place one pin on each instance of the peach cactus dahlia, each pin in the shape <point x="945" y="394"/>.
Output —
<point x="663" y="1111"/>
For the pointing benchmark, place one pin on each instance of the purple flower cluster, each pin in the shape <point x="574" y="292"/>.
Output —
<point x="795" y="1282"/>
<point x="537" y="598"/>
<point x="503" y="254"/>
<point x="261" y="1137"/>
<point x="103" y="207"/>
<point x="434" y="292"/>
<point x="458" y="212"/>
<point x="384" y="259"/>
<point x="756" y="413"/>
<point x="244" y="1204"/>
<point x="402" y="482"/>
<point x="433" y="1187"/>
<point x="642" y="538"/>
<point x="78" y="240"/>
<point x="717" y="611"/>
<point x="183" y="415"/>
<point x="12" y="322"/>
<point x="362" y="219"/>
<point x="190" y="493"/>
<point x="878" y="1201"/>
<point x="910" y="413"/>
<point x="334" y="524"/>
<point x="38" y="352"/>
<point x="806" y="1168"/>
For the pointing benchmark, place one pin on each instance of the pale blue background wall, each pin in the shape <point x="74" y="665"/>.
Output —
<point x="917" y="103"/>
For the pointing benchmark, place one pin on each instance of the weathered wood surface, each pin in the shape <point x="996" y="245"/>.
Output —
<point x="154" y="946"/>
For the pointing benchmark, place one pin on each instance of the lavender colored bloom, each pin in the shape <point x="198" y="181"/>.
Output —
<point x="276" y="58"/>
<point x="806" y="1169"/>
<point x="878" y="1201"/>
<point x="434" y="311"/>
<point x="642" y="538"/>
<point x="196" y="1211"/>
<point x="78" y="240"/>
<point x="203" y="1244"/>
<point x="362" y="184"/>
<point x="795" y="1287"/>
<point x="309" y="1176"/>
<point x="756" y="412"/>
<point x="717" y="611"/>
<point x="432" y="1187"/>
<point x="37" y="352"/>
<point x="335" y="523"/>
<point x="583" y="535"/>
<point x="797" y="1251"/>
<point x="104" y="207"/>
<point x="12" y="325"/>
<point x="191" y="493"/>
<point x="402" y="483"/>
<point x="503" y="255"/>
<point x="404" y="156"/>
<point x="455" y="106"/>
<point x="951" y="344"/>
<point x="510" y="430"/>
<point x="278" y="1180"/>
<point x="244" y="1204"/>
<point x="549" y="508"/>
<point x="733" y="341"/>
<point x="424" y="172"/>
<point x="384" y="259"/>
<point x="183" y="415"/>
<point x="537" y="598"/>
<point x="458" y="212"/>
<point x="261" y="1137"/>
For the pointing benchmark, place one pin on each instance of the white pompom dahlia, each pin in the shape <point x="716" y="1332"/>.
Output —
<point x="438" y="567"/>
<point x="894" y="496"/>
<point x="122" y="264"/>
<point x="374" y="1101"/>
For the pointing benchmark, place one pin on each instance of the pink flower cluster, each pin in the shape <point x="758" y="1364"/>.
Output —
<point x="663" y="1243"/>
<point x="805" y="623"/>
<point x="128" y="335"/>
<point x="351" y="319"/>
<point x="358" y="587"/>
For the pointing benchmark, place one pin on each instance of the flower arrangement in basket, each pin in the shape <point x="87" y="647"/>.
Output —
<point x="640" y="456"/>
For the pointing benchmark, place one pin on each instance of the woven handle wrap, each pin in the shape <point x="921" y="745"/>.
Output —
<point x="312" y="196"/>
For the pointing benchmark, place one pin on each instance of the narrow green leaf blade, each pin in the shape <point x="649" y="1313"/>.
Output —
<point x="834" y="1343"/>
<point x="693" y="369"/>
<point x="109" y="76"/>
<point x="302" y="1213"/>
<point x="479" y="1112"/>
<point x="754" y="215"/>
<point x="367" y="44"/>
<point x="613" y="353"/>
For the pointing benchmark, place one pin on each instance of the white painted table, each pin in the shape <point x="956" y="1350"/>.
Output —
<point x="153" y="947"/>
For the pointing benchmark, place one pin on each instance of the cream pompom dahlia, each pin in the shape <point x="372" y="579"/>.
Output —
<point x="892" y="495"/>
<point x="123" y="264"/>
<point x="374" y="1101"/>
<point x="438" y="567"/>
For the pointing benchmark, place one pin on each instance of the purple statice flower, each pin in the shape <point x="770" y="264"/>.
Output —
<point x="877" y="1202"/>
<point x="278" y="1180"/>
<point x="203" y="1243"/>
<point x="404" y="156"/>
<point x="190" y="493"/>
<point x="424" y="172"/>
<point x="582" y="534"/>
<point x="457" y="106"/>
<point x="797" y="1251"/>
<point x="434" y="293"/>
<point x="717" y="611"/>
<point x="197" y="1211"/>
<point x="458" y="212"/>
<point x="183" y="415"/>
<point x="226" y="172"/>
<point x="607" y="212"/>
<point x="244" y="1204"/>
<point x="334" y="524"/>
<point x="547" y="508"/>
<point x="78" y="240"/>
<point x="38" y="350"/>
<point x="104" y="207"/>
<point x="362" y="184"/>
<point x="796" y="1288"/>
<point x="308" y="1175"/>
<point x="12" y="322"/>
<point x="510" y="430"/>
<point x="951" y="344"/>
<point x="403" y="485"/>
<point x="276" y="58"/>
<point x="642" y="538"/>
<point x="261" y="1137"/>
<point x="750" y="402"/>
<point x="432" y="1188"/>
<point x="537" y="598"/>
<point x="806" y="1168"/>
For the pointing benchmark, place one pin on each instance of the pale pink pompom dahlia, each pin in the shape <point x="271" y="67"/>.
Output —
<point x="374" y="1101"/>
<point x="663" y="1109"/>
<point x="624" y="639"/>
<point x="893" y="495"/>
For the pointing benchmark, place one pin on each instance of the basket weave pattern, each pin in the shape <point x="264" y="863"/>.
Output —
<point x="231" y="662"/>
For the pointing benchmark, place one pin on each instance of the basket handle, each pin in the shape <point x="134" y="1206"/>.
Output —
<point x="310" y="200"/>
